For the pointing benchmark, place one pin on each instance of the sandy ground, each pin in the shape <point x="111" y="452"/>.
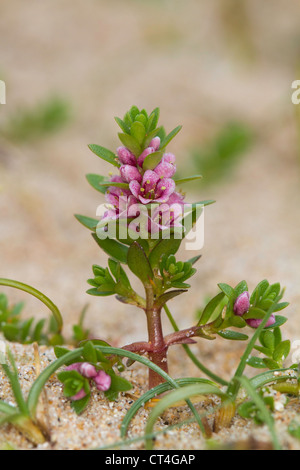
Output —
<point x="103" y="57"/>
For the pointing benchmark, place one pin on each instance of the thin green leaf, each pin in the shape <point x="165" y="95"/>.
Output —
<point x="88" y="222"/>
<point x="105" y="154"/>
<point x="169" y="137"/>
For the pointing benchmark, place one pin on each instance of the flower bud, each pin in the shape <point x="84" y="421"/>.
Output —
<point x="102" y="381"/>
<point x="125" y="156"/>
<point x="130" y="173"/>
<point x="79" y="395"/>
<point x="143" y="155"/>
<point x="87" y="370"/>
<point x="242" y="304"/>
<point x="255" y="322"/>
<point x="155" y="143"/>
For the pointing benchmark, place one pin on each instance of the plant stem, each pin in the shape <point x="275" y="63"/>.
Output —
<point x="158" y="354"/>
<point x="200" y="366"/>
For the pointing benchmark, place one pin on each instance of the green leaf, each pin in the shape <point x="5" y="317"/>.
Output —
<point x="89" y="352"/>
<point x="87" y="221"/>
<point x="151" y="136"/>
<point x="168" y="296"/>
<point x="271" y="364"/>
<point x="153" y="120"/>
<point x="105" y="154"/>
<point x="254" y="312"/>
<point x="188" y="179"/>
<point x="152" y="160"/>
<point x="194" y="259"/>
<point x="281" y="306"/>
<point x="119" y="384"/>
<point x="79" y="405"/>
<point x="228" y="291"/>
<point x="256" y="362"/>
<point x="163" y="247"/>
<point x="240" y="288"/>
<point x="106" y="184"/>
<point x="125" y="128"/>
<point x="169" y="137"/>
<point x="95" y="181"/>
<point x="138" y="131"/>
<point x="113" y="248"/>
<point x="138" y="263"/>
<point x="99" y="293"/>
<point x="131" y="143"/>
<point x="267" y="339"/>
<point x="263" y="350"/>
<point x="133" y="112"/>
<point x="280" y="320"/>
<point x="232" y="335"/>
<point x="210" y="308"/>
<point x="282" y="351"/>
<point x="237" y="322"/>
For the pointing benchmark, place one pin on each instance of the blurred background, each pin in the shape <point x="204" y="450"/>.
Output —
<point x="221" y="68"/>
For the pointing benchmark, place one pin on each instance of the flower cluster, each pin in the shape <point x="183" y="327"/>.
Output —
<point x="145" y="178"/>
<point x="88" y="371"/>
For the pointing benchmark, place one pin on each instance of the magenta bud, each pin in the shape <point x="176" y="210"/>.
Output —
<point x="130" y="173"/>
<point x="79" y="395"/>
<point x="125" y="156"/>
<point x="242" y="304"/>
<point x="143" y="155"/>
<point x="255" y="322"/>
<point x="155" y="143"/>
<point x="87" y="370"/>
<point x="76" y="366"/>
<point x="102" y="381"/>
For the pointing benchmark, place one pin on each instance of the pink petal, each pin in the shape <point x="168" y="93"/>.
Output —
<point x="135" y="187"/>
<point x="164" y="189"/>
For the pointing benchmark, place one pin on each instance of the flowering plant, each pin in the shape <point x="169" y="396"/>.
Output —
<point x="142" y="227"/>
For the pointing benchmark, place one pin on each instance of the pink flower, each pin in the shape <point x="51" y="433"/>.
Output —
<point x="130" y="173"/>
<point x="102" y="381"/>
<point x="242" y="304"/>
<point x="79" y="395"/>
<point x="152" y="188"/>
<point x="126" y="157"/>
<point x="255" y="322"/>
